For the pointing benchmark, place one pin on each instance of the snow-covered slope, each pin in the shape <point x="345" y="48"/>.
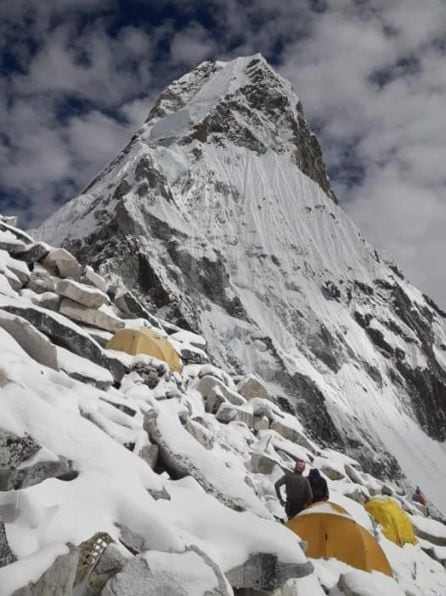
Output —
<point x="118" y="477"/>
<point x="219" y="215"/>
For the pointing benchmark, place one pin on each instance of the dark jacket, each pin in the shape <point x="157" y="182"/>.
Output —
<point x="318" y="486"/>
<point x="298" y="492"/>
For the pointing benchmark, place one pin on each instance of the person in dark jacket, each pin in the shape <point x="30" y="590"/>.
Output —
<point x="297" y="488"/>
<point x="318" y="486"/>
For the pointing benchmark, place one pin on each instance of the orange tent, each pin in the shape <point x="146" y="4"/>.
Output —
<point x="331" y="532"/>
<point x="145" y="341"/>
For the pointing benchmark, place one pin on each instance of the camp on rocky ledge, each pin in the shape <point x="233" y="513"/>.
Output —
<point x="173" y="340"/>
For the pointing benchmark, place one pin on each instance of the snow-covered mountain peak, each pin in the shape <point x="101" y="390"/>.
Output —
<point x="242" y="102"/>
<point x="218" y="215"/>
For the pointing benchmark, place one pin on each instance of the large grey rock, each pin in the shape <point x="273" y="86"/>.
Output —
<point x="41" y="280"/>
<point x="62" y="263"/>
<point x="19" y="269"/>
<point x="6" y="555"/>
<point x="208" y="384"/>
<point x="14" y="450"/>
<point x="90" y="276"/>
<point x="49" y="300"/>
<point x="90" y="316"/>
<point x="264" y="571"/>
<point x="430" y="529"/>
<point x="9" y="220"/>
<point x="349" y="585"/>
<point x="33" y="342"/>
<point x="261" y="423"/>
<point x="291" y="434"/>
<point x="160" y="574"/>
<point x="34" y="252"/>
<point x="250" y="386"/>
<point x="228" y="413"/>
<point x="68" y="335"/>
<point x="262" y="463"/>
<point x="38" y="472"/>
<point x="11" y="244"/>
<point x="149" y="453"/>
<point x="332" y="473"/>
<point x="87" y="296"/>
<point x="58" y="580"/>
<point x="9" y="224"/>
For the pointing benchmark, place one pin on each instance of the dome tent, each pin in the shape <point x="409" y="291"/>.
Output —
<point x="395" y="522"/>
<point x="146" y="341"/>
<point x="330" y="532"/>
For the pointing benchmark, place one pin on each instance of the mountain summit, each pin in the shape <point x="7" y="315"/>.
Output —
<point x="218" y="215"/>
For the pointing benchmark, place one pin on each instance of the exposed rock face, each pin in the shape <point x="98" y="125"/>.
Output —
<point x="63" y="264"/>
<point x="225" y="223"/>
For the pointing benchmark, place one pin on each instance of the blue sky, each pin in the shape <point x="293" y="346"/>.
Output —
<point x="77" y="77"/>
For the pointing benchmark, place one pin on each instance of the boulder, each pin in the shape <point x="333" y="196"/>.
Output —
<point x="19" y="269"/>
<point x="63" y="264"/>
<point x="387" y="490"/>
<point x="90" y="316"/>
<point x="228" y="413"/>
<point x="69" y="335"/>
<point x="40" y="471"/>
<point x="262" y="464"/>
<point x="264" y="571"/>
<point x="33" y="342"/>
<point x="41" y="281"/>
<point x="353" y="474"/>
<point x="360" y="583"/>
<point x="34" y="252"/>
<point x="199" y="431"/>
<point x="10" y="243"/>
<point x="149" y="453"/>
<point x="9" y="220"/>
<point x="90" y="276"/>
<point x="6" y="555"/>
<point x="212" y="388"/>
<point x="58" y="580"/>
<point x="49" y="300"/>
<point x="429" y="529"/>
<point x="261" y="423"/>
<point x="291" y="434"/>
<point x="332" y="473"/>
<point x="14" y="450"/>
<point x="165" y="574"/>
<point x="85" y="295"/>
<point x="250" y="387"/>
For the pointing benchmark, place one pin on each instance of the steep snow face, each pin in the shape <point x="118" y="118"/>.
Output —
<point x="219" y="213"/>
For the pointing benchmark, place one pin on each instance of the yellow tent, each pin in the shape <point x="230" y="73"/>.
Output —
<point x="145" y="341"/>
<point x="395" y="523"/>
<point x="331" y="532"/>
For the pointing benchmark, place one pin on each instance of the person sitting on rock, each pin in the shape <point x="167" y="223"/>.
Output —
<point x="298" y="490"/>
<point x="419" y="497"/>
<point x="318" y="486"/>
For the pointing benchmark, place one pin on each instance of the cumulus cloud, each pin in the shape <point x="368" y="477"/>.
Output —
<point x="371" y="75"/>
